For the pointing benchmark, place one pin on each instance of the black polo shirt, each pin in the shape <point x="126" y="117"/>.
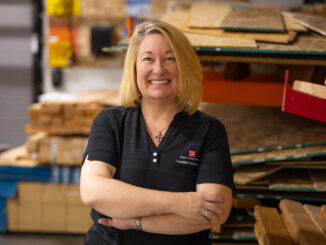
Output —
<point x="194" y="150"/>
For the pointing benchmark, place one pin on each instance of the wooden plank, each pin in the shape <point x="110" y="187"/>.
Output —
<point x="323" y="212"/>
<point x="313" y="89"/>
<point x="247" y="174"/>
<point x="314" y="213"/>
<point x="269" y="227"/>
<point x="316" y="23"/>
<point x="291" y="179"/>
<point x="304" y="230"/>
<point x="208" y="14"/>
<point x="253" y="19"/>
<point x="197" y="40"/>
<point x="292" y="25"/>
<point x="319" y="179"/>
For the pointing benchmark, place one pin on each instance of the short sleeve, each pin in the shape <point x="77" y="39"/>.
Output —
<point x="102" y="143"/>
<point x="215" y="161"/>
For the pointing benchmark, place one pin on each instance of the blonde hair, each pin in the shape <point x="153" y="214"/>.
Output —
<point x="189" y="68"/>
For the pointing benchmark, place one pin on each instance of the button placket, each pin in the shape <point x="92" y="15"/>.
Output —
<point x="155" y="159"/>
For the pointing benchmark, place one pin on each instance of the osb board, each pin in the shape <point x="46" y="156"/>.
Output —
<point x="304" y="43"/>
<point x="292" y="25"/>
<point x="208" y="14"/>
<point x="291" y="179"/>
<point x="179" y="19"/>
<point x="279" y="153"/>
<point x="247" y="174"/>
<point x="197" y="40"/>
<point x="253" y="19"/>
<point x="319" y="179"/>
<point x="313" y="22"/>
<point x="251" y="127"/>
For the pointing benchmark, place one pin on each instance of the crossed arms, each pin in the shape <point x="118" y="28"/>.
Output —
<point x="162" y="212"/>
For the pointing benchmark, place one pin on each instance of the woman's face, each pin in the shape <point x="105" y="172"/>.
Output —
<point x="156" y="68"/>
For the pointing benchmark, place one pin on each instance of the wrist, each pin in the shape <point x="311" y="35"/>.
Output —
<point x="139" y="224"/>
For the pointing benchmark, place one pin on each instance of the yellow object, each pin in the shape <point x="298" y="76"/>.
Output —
<point x="60" y="53"/>
<point x="63" y="7"/>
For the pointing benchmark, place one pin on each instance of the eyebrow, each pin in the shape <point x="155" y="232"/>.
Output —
<point x="150" y="52"/>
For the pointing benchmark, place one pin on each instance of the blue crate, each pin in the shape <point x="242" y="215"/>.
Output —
<point x="57" y="174"/>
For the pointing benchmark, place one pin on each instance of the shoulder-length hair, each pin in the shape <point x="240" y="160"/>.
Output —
<point x="189" y="68"/>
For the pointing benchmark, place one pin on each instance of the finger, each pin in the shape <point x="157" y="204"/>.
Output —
<point x="104" y="221"/>
<point x="213" y="207"/>
<point x="213" y="197"/>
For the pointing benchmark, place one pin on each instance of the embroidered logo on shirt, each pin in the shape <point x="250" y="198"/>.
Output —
<point x="191" y="159"/>
<point x="192" y="153"/>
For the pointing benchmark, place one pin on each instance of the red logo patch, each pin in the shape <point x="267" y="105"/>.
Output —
<point x="192" y="153"/>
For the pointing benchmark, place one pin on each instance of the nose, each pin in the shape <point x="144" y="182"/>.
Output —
<point x="158" y="67"/>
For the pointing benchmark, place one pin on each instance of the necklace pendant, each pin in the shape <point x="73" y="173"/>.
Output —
<point x="159" y="137"/>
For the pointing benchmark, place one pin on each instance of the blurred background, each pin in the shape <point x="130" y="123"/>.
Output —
<point x="61" y="62"/>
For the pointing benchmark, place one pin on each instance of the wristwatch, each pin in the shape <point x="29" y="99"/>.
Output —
<point x="139" y="223"/>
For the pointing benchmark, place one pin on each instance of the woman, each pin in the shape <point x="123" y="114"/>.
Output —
<point x="156" y="166"/>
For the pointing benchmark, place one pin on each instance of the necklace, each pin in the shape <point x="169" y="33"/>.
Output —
<point x="159" y="135"/>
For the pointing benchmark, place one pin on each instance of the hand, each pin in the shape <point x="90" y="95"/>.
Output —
<point x="202" y="208"/>
<point x="121" y="224"/>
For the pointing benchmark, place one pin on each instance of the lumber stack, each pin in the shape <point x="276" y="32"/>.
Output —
<point x="59" y="130"/>
<point x="298" y="224"/>
<point x="60" y="150"/>
<point x="72" y="117"/>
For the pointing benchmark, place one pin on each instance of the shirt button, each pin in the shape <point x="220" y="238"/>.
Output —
<point x="154" y="160"/>
<point x="155" y="154"/>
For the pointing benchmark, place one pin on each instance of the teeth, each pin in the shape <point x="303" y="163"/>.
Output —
<point x="159" y="81"/>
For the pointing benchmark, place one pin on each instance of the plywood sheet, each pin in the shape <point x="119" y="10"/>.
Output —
<point x="208" y="14"/>
<point x="304" y="43"/>
<point x="253" y="19"/>
<point x="313" y="22"/>
<point x="197" y="40"/>
<point x="251" y="127"/>
<point x="270" y="228"/>
<point x="179" y="19"/>
<point x="279" y="154"/>
<point x="247" y="174"/>
<point x="290" y="179"/>
<point x="292" y="25"/>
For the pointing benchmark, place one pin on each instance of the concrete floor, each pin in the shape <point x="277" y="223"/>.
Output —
<point x="40" y="239"/>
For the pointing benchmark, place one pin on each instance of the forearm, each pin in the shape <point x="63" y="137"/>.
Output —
<point x="115" y="198"/>
<point x="171" y="224"/>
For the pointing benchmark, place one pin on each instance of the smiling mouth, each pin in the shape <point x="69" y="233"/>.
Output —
<point x="159" y="81"/>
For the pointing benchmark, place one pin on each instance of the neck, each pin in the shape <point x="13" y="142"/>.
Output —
<point x="159" y="112"/>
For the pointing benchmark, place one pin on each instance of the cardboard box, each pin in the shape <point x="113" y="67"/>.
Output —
<point x="47" y="207"/>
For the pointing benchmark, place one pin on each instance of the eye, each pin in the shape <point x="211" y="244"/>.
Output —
<point x="170" y="58"/>
<point x="147" y="59"/>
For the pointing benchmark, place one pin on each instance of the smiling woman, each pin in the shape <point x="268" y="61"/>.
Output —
<point x="156" y="170"/>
